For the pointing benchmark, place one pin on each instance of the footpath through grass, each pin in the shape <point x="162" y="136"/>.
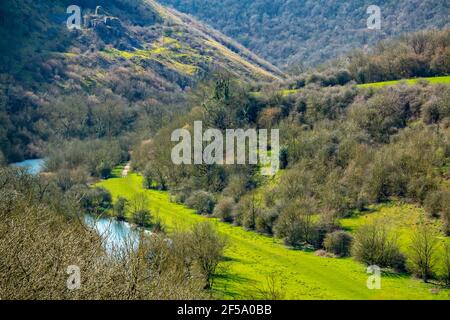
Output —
<point x="251" y="258"/>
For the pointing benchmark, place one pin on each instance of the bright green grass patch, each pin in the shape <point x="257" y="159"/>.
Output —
<point x="402" y="218"/>
<point x="117" y="171"/>
<point x="251" y="257"/>
<point x="431" y="80"/>
<point x="180" y="62"/>
<point x="288" y="92"/>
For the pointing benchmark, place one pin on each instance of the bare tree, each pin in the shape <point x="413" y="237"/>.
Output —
<point x="423" y="248"/>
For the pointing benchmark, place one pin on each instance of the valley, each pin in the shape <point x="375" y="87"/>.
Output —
<point x="251" y="259"/>
<point x="115" y="116"/>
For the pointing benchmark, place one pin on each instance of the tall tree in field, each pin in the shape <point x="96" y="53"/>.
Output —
<point x="423" y="247"/>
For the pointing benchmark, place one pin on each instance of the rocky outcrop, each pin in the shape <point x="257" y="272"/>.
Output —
<point x="111" y="31"/>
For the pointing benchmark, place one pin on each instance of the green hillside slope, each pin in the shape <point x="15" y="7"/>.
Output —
<point x="252" y="258"/>
<point x="131" y="53"/>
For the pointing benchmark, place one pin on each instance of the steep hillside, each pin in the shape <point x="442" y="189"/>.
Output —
<point x="127" y="53"/>
<point x="288" y="32"/>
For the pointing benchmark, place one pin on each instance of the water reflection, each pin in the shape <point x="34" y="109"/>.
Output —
<point x="33" y="166"/>
<point x="117" y="234"/>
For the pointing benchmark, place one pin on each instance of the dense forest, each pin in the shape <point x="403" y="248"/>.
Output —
<point x="309" y="32"/>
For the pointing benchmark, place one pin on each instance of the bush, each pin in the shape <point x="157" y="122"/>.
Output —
<point x="435" y="110"/>
<point x="446" y="222"/>
<point x="119" y="208"/>
<point x="422" y="252"/>
<point x="224" y="209"/>
<point x="203" y="202"/>
<point x="284" y="157"/>
<point x="205" y="247"/>
<point x="338" y="242"/>
<point x="246" y="212"/>
<point x="142" y="218"/>
<point x="96" y="200"/>
<point x="295" y="224"/>
<point x="139" y="208"/>
<point x="103" y="170"/>
<point x="437" y="204"/>
<point x="446" y="262"/>
<point x="147" y="179"/>
<point x="374" y="244"/>
<point x="265" y="221"/>
<point x="236" y="187"/>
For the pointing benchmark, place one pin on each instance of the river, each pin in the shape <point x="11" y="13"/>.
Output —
<point x="33" y="166"/>
<point x="117" y="234"/>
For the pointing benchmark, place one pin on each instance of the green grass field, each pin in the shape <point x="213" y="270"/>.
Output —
<point x="251" y="258"/>
<point x="432" y="80"/>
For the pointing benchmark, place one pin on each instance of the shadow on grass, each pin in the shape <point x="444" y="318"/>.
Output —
<point x="229" y="259"/>
<point x="117" y="172"/>
<point x="228" y="285"/>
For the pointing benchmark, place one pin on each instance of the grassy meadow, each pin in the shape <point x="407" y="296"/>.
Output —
<point x="431" y="80"/>
<point x="251" y="259"/>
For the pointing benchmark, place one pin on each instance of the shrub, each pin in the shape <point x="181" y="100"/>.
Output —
<point x="338" y="242"/>
<point x="437" y="204"/>
<point x="435" y="110"/>
<point x="158" y="226"/>
<point x="147" y="179"/>
<point x="224" y="209"/>
<point x="139" y="208"/>
<point x="284" y="157"/>
<point x="374" y="244"/>
<point x="295" y="224"/>
<point x="203" y="202"/>
<point x="265" y="221"/>
<point x="236" y="187"/>
<point x="96" y="200"/>
<point x="422" y="252"/>
<point x="246" y="211"/>
<point x="119" y="208"/>
<point x="206" y="248"/>
<point x="446" y="263"/>
<point x="446" y="222"/>
<point x="142" y="218"/>
<point x="103" y="170"/>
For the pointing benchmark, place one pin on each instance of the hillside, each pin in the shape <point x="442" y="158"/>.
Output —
<point x="310" y="32"/>
<point x="128" y="53"/>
